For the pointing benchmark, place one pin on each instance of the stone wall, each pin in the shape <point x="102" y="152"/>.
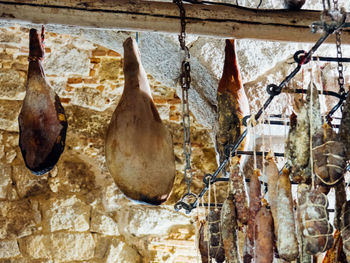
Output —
<point x="75" y="213"/>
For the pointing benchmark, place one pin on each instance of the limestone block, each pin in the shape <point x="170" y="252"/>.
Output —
<point x="120" y="252"/>
<point x="72" y="246"/>
<point x="60" y="246"/>
<point x="102" y="244"/>
<point x="17" y="219"/>
<point x="68" y="213"/>
<point x="5" y="180"/>
<point x="28" y="184"/>
<point x="36" y="246"/>
<point x="111" y="68"/>
<point x="103" y="224"/>
<point x="67" y="60"/>
<point x="74" y="175"/>
<point x="146" y="220"/>
<point x="9" y="111"/>
<point x="12" y="84"/>
<point x="9" y="249"/>
<point x="89" y="97"/>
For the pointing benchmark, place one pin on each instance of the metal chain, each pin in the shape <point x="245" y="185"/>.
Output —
<point x="185" y="81"/>
<point x="339" y="54"/>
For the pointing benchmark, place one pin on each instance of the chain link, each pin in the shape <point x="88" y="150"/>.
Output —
<point x="339" y="55"/>
<point x="185" y="82"/>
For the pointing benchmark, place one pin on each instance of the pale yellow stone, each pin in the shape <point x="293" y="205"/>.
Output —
<point x="5" y="180"/>
<point x="103" y="224"/>
<point x="72" y="246"/>
<point x="17" y="219"/>
<point x="120" y="252"/>
<point x="66" y="214"/>
<point x="28" y="184"/>
<point x="9" y="249"/>
<point x="36" y="246"/>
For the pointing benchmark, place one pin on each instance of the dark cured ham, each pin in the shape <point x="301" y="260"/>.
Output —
<point x="232" y="102"/>
<point x="42" y="121"/>
<point x="139" y="148"/>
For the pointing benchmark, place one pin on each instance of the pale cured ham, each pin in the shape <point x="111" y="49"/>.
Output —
<point x="232" y="102"/>
<point x="287" y="244"/>
<point x="139" y="148"/>
<point x="42" y="121"/>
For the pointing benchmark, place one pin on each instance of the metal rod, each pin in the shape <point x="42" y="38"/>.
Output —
<point x="331" y="59"/>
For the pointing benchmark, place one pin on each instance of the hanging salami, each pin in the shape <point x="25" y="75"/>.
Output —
<point x="272" y="173"/>
<point x="232" y="102"/>
<point x="316" y="230"/>
<point x="42" y="121"/>
<point x="254" y="207"/>
<point x="298" y="142"/>
<point x="345" y="229"/>
<point x="264" y="237"/>
<point x="229" y="230"/>
<point x="303" y="256"/>
<point x="203" y="242"/>
<point x="239" y="194"/>
<point x="139" y="148"/>
<point x="216" y="249"/>
<point x="329" y="158"/>
<point x="287" y="244"/>
<point x="345" y="128"/>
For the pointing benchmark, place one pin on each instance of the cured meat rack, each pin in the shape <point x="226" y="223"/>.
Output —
<point x="190" y="200"/>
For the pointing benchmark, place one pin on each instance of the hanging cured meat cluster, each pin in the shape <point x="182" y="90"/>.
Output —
<point x="139" y="154"/>
<point x="280" y="226"/>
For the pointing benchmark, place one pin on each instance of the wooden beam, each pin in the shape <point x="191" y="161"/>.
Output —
<point x="136" y="15"/>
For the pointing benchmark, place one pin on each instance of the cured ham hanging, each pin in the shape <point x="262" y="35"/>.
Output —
<point x="232" y="102"/>
<point x="139" y="148"/>
<point x="42" y="120"/>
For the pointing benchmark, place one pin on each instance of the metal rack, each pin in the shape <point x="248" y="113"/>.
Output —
<point x="190" y="200"/>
